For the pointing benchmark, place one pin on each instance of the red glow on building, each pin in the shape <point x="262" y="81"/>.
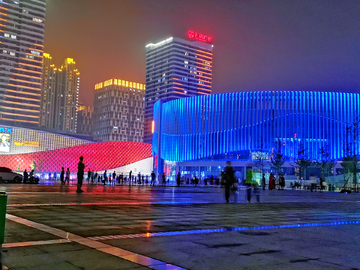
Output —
<point x="200" y="37"/>
<point x="97" y="157"/>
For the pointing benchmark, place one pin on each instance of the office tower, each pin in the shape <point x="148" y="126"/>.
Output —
<point x="48" y="93"/>
<point x="118" y="111"/>
<point x="60" y="94"/>
<point x="84" y="119"/>
<point x="22" y="25"/>
<point x="176" y="68"/>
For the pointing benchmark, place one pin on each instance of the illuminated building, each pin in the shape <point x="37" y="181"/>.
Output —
<point x="118" y="111"/>
<point x="84" y="119"/>
<point x="59" y="96"/>
<point x="48" y="152"/>
<point x="176" y="68"/>
<point x="207" y="131"/>
<point x="22" y="25"/>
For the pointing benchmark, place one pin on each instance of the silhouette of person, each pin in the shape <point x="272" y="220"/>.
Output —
<point x="80" y="175"/>
<point x="62" y="175"/>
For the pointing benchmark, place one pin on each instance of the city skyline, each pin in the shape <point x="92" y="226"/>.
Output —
<point x="297" y="45"/>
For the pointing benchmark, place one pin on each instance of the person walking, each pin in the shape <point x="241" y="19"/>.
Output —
<point x="89" y="175"/>
<point x="229" y="179"/>
<point x="263" y="181"/>
<point x="67" y="176"/>
<point x="130" y="177"/>
<point x="80" y="175"/>
<point x="178" y="179"/>
<point x="62" y="176"/>
<point x="153" y="176"/>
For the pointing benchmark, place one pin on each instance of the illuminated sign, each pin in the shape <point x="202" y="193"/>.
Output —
<point x="200" y="37"/>
<point x="5" y="130"/>
<point x="26" y="143"/>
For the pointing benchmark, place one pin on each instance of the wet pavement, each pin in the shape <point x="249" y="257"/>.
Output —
<point x="141" y="227"/>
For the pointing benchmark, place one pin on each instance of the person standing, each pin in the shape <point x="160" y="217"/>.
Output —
<point x="263" y="181"/>
<point x="271" y="181"/>
<point x="62" y="176"/>
<point x="130" y="177"/>
<point x="153" y="176"/>
<point x="105" y="177"/>
<point x="114" y="178"/>
<point x="163" y="179"/>
<point x="89" y="175"/>
<point x="80" y="175"/>
<point x="229" y="179"/>
<point x="178" y="179"/>
<point x="26" y="176"/>
<point x="67" y="177"/>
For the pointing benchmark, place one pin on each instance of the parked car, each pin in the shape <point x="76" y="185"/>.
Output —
<point x="7" y="175"/>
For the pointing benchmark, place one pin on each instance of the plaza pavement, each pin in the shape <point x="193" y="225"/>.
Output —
<point x="52" y="227"/>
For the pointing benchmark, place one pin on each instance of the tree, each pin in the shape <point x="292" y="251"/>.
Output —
<point x="303" y="161"/>
<point x="260" y="156"/>
<point x="350" y="161"/>
<point x="325" y="163"/>
<point x="277" y="158"/>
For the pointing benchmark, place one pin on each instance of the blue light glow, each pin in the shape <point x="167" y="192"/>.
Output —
<point x="201" y="127"/>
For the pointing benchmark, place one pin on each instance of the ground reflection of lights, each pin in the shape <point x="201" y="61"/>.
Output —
<point x="139" y="235"/>
<point x="98" y="203"/>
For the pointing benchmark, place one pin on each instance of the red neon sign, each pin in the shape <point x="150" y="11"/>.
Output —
<point x="201" y="37"/>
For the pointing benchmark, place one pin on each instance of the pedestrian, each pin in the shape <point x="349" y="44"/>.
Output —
<point x="49" y="176"/>
<point x="178" y="179"/>
<point x="229" y="179"/>
<point x="282" y="181"/>
<point x="271" y="181"/>
<point x="80" y="175"/>
<point x="62" y="176"/>
<point x="163" y="179"/>
<point x="114" y="177"/>
<point x="130" y="177"/>
<point x="105" y="178"/>
<point x="89" y="175"/>
<point x="67" y="176"/>
<point x="26" y="176"/>
<point x="211" y="180"/>
<point x="153" y="176"/>
<point x="263" y="181"/>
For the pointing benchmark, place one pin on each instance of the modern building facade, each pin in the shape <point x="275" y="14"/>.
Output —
<point x="26" y="148"/>
<point x="118" y="111"/>
<point x="22" y="25"/>
<point x="232" y="126"/>
<point x="84" y="119"/>
<point x="60" y="94"/>
<point x="176" y="68"/>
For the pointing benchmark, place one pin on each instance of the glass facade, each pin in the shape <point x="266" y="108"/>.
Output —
<point x="234" y="124"/>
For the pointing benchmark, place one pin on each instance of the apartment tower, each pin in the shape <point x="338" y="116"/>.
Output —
<point x="22" y="25"/>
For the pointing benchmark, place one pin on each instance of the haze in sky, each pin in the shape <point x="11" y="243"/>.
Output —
<point x="258" y="44"/>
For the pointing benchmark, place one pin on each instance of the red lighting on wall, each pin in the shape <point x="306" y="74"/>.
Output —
<point x="97" y="157"/>
<point x="200" y="37"/>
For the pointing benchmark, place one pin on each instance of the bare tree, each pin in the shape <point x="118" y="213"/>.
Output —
<point x="303" y="161"/>
<point x="277" y="158"/>
<point x="260" y="156"/>
<point x="350" y="161"/>
<point x="325" y="163"/>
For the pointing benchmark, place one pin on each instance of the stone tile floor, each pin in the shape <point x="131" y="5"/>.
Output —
<point x="178" y="228"/>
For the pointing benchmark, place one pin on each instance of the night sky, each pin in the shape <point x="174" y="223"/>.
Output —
<point x="258" y="44"/>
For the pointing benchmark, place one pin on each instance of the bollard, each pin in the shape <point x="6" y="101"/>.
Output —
<point x="3" y="203"/>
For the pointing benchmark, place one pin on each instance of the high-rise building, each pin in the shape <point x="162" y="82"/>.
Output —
<point x="60" y="94"/>
<point x="118" y="111"/>
<point x="176" y="68"/>
<point x="22" y="25"/>
<point x="84" y="119"/>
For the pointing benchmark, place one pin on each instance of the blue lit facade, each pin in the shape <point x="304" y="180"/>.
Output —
<point x="232" y="125"/>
